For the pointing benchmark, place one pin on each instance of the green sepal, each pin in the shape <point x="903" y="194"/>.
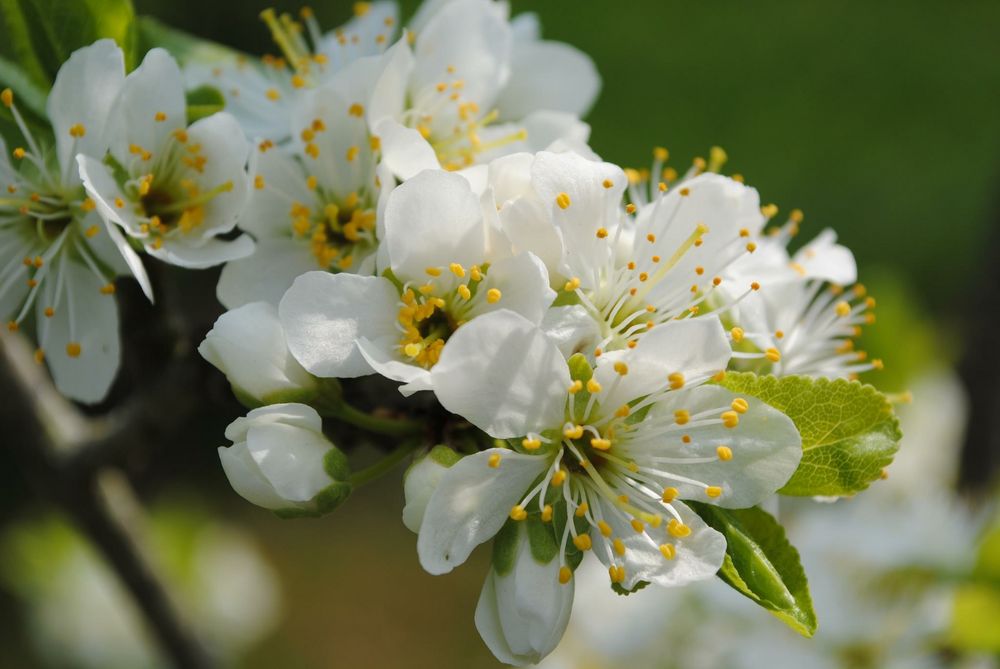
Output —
<point x="335" y="465"/>
<point x="565" y="298"/>
<point x="444" y="456"/>
<point x="849" y="430"/>
<point x="505" y="547"/>
<point x="204" y="101"/>
<point x="544" y="547"/>
<point x="761" y="564"/>
<point x="620" y="590"/>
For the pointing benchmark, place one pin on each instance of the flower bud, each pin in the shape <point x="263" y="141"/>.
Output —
<point x="281" y="460"/>
<point x="421" y="480"/>
<point x="248" y="346"/>
<point x="523" y="609"/>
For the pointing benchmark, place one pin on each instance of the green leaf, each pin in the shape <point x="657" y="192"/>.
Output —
<point x="761" y="564"/>
<point x="40" y="35"/>
<point x="186" y="48"/>
<point x="977" y="601"/>
<point x="29" y="95"/>
<point x="849" y="430"/>
<point x="204" y="101"/>
<point x="620" y="590"/>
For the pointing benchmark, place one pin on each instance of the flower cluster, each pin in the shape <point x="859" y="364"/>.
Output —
<point x="418" y="202"/>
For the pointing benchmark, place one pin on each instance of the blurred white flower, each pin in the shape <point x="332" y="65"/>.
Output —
<point x="314" y="205"/>
<point x="262" y="94"/>
<point x="281" y="460"/>
<point x="479" y="86"/>
<point x="58" y="261"/>
<point x="248" y="346"/>
<point x="445" y="264"/>
<point x="171" y="187"/>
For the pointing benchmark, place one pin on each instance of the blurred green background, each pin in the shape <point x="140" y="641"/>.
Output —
<point x="881" y="120"/>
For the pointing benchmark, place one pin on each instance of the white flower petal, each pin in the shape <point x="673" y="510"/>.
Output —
<point x="388" y="98"/>
<point x="433" y="220"/>
<point x="266" y="274"/>
<point x="226" y="149"/>
<point x="84" y="91"/>
<point x="301" y="416"/>
<point x="155" y="87"/>
<point x="267" y="213"/>
<point x="530" y="604"/>
<point x="765" y="446"/>
<point x="207" y="254"/>
<point x="323" y="314"/>
<point x="85" y="316"/>
<point x="527" y="224"/>
<point x="404" y="150"/>
<point x="248" y="346"/>
<point x="549" y="75"/>
<point x="823" y="258"/>
<point x="247" y="479"/>
<point x="383" y="361"/>
<point x="524" y="285"/>
<point x="502" y="374"/>
<point x="290" y="458"/>
<point x="471" y="504"/>
<point x="573" y="330"/>
<point x="695" y="347"/>
<point x="421" y="480"/>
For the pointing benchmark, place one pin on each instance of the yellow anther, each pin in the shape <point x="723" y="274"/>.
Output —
<point x="684" y="192"/>
<point x="531" y="444"/>
<point x="573" y="431"/>
<point x="457" y="270"/>
<point x="713" y="491"/>
<point x="572" y="284"/>
<point x="298" y="81"/>
<point x="108" y="289"/>
<point x="559" y="477"/>
<point x="412" y="349"/>
<point x="19" y="153"/>
<point x="630" y="208"/>
<point x="682" y="416"/>
<point x="779" y="334"/>
<point x="77" y="130"/>
<point x="493" y="295"/>
<point x="582" y="510"/>
<point x="676" y="381"/>
<point x="638" y="526"/>
<point x="740" y="405"/>
<point x="593" y="386"/>
<point x="352" y="153"/>
<point x="751" y="247"/>
<point x="7" y="97"/>
<point x="73" y="349"/>
<point x="91" y="231"/>
<point x="565" y="574"/>
<point x="725" y="453"/>
<point x="582" y="542"/>
<point x="12" y="326"/>
<point x="518" y="513"/>
<point x="258" y="182"/>
<point x="678" y="529"/>
<point x="273" y="94"/>
<point x="623" y="411"/>
<point x="754" y="286"/>
<point x="668" y="551"/>
<point x="600" y="444"/>
<point x="604" y="528"/>
<point x="877" y="364"/>
<point x="619" y="546"/>
<point x="575" y="387"/>
<point x="312" y="151"/>
<point x="181" y="136"/>
<point x="602" y="233"/>
<point x="494" y="460"/>
<point x="563" y="200"/>
<point x="773" y="354"/>
<point x="617" y="573"/>
<point x="547" y="513"/>
<point x="662" y="187"/>
<point x="843" y="308"/>
<point x="39" y="356"/>
<point x="356" y="110"/>
<point x="433" y="271"/>
<point x="730" y="418"/>
<point x="621" y="368"/>
<point x="119" y="203"/>
<point x="737" y="334"/>
<point x="607" y="183"/>
<point x="49" y="312"/>
<point x="660" y="154"/>
<point x="312" y="182"/>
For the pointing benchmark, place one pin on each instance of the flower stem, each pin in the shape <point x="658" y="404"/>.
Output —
<point x="384" y="465"/>
<point x="393" y="427"/>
